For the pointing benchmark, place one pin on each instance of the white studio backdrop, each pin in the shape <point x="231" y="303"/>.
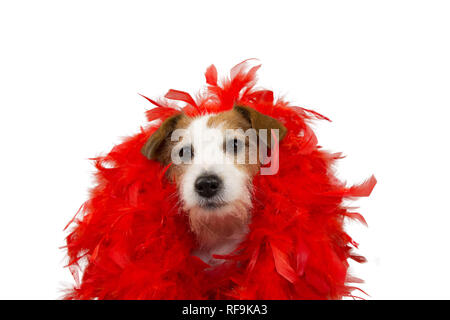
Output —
<point x="70" y="74"/>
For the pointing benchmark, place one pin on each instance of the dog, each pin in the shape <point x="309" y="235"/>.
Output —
<point x="215" y="190"/>
<point x="226" y="196"/>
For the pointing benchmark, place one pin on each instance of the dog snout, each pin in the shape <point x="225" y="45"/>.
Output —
<point x="208" y="185"/>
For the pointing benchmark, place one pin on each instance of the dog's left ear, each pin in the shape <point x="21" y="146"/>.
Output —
<point x="261" y="121"/>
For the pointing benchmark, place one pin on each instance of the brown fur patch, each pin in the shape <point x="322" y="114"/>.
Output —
<point x="228" y="120"/>
<point x="234" y="120"/>
<point x="159" y="146"/>
<point x="260" y="121"/>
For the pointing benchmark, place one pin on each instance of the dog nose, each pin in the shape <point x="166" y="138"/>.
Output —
<point x="208" y="185"/>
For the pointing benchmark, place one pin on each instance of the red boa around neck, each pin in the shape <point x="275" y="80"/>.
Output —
<point x="134" y="242"/>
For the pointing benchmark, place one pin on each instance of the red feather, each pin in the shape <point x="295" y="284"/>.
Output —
<point x="138" y="244"/>
<point x="282" y="264"/>
<point x="364" y="189"/>
<point x="181" y="96"/>
<point x="211" y="75"/>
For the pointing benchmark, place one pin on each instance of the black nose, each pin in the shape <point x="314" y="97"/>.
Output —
<point x="208" y="185"/>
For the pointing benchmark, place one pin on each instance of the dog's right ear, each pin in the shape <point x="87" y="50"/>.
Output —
<point x="153" y="146"/>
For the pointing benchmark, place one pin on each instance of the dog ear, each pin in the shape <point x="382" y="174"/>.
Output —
<point x="153" y="146"/>
<point x="261" y="121"/>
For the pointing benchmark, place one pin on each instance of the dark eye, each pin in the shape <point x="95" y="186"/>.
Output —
<point x="234" y="145"/>
<point x="186" y="153"/>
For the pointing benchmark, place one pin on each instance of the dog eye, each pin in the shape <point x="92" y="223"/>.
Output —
<point x="234" y="145"/>
<point x="186" y="153"/>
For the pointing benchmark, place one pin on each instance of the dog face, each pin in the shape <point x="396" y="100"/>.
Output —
<point x="214" y="158"/>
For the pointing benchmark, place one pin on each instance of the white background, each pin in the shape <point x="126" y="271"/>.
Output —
<point x="70" y="72"/>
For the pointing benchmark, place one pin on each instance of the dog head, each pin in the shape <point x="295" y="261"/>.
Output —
<point x="213" y="159"/>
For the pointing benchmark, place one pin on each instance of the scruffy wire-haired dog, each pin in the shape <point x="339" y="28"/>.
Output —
<point x="215" y="158"/>
<point x="226" y="196"/>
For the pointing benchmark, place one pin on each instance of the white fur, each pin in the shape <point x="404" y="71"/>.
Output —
<point x="210" y="157"/>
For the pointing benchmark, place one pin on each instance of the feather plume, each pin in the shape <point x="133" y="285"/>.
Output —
<point x="137" y="240"/>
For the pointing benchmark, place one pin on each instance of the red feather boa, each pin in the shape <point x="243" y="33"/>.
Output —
<point x="134" y="243"/>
